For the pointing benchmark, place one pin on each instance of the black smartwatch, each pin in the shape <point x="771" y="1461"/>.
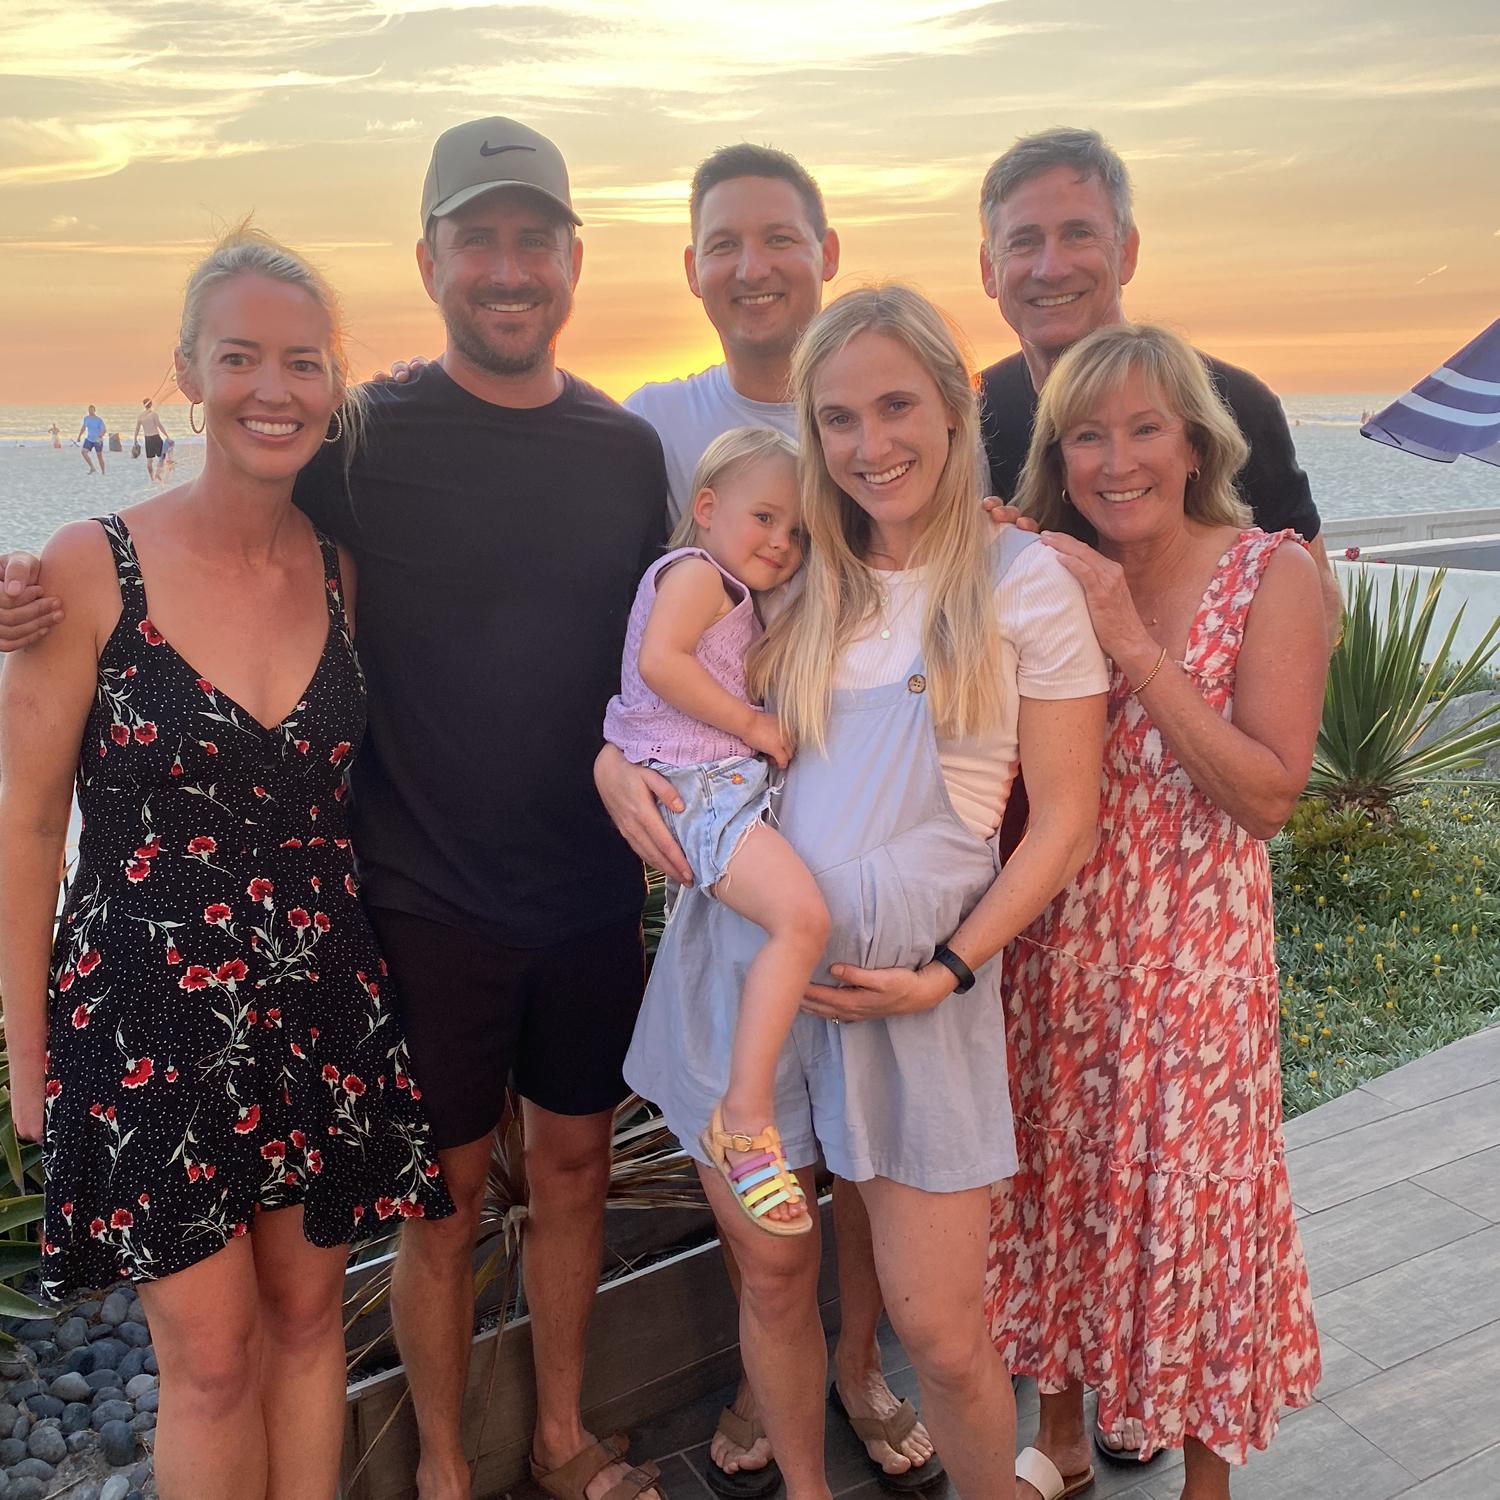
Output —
<point x="956" y="967"/>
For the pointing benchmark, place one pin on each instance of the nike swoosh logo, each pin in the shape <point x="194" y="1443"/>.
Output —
<point x="489" y="150"/>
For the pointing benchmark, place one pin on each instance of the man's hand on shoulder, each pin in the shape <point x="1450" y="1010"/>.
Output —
<point x="401" y="372"/>
<point x="26" y="612"/>
<point x="1001" y="514"/>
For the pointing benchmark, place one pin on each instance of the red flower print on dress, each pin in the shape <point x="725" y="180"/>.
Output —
<point x="144" y="1200"/>
<point x="274" y="1150"/>
<point x="320" y="921"/>
<point x="208" y="747"/>
<point x="302" y="746"/>
<point x="137" y="870"/>
<point x="217" y="914"/>
<point x="149" y="850"/>
<point x="171" y="1075"/>
<point x="297" y="1051"/>
<point x="349" y="885"/>
<point x="260" y="791"/>
<point x="248" y="1120"/>
<point x="431" y="1169"/>
<point x="409" y="1208"/>
<point x="231" y="971"/>
<point x="97" y="1228"/>
<point x="173" y="956"/>
<point x="353" y="1084"/>
<point x="202" y="844"/>
<point x="89" y="962"/>
<point x="197" y="978"/>
<point x="154" y="637"/>
<point x="206" y="685"/>
<point x="384" y="1207"/>
<point x="339" y="751"/>
<point x="330" y="1073"/>
<point x="52" y="1088"/>
<point x="315" y="1162"/>
<point x="291" y="843"/>
<point x="65" y="981"/>
<point x="259" y="889"/>
<point x="145" y="733"/>
<point x="121" y="1218"/>
<point x="239" y="1231"/>
<point x="119" y="734"/>
<point x="298" y="917"/>
<point x="138" y="1073"/>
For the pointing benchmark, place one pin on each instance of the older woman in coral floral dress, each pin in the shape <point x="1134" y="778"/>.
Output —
<point x="1147" y="1244"/>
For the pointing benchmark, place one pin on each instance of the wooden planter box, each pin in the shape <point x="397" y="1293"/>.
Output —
<point x="657" y="1337"/>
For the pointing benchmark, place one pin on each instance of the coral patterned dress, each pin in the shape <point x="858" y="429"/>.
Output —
<point x="221" y="1036"/>
<point x="1147" y="1243"/>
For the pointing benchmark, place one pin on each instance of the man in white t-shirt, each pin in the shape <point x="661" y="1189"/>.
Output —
<point x="761" y="252"/>
<point x="760" y="256"/>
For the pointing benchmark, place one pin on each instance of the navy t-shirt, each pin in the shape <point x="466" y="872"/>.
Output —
<point x="499" y="551"/>
<point x="1272" y="482"/>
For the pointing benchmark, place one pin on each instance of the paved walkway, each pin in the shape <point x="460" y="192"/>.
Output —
<point x="1398" y="1189"/>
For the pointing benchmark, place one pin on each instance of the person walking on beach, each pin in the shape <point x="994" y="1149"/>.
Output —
<point x="155" y="431"/>
<point x="92" y="434"/>
<point x="211" y="1058"/>
<point x="508" y="908"/>
<point x="55" y="435"/>
<point x="1058" y="245"/>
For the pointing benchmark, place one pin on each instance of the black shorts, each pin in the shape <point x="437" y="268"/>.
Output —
<point x="557" y="1021"/>
<point x="153" y="445"/>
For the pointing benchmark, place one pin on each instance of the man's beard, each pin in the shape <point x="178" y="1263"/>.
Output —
<point x="479" y="351"/>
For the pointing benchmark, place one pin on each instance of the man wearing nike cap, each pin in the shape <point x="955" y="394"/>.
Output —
<point x="519" y="507"/>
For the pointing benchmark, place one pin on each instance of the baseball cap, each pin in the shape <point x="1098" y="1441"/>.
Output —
<point x="474" y="158"/>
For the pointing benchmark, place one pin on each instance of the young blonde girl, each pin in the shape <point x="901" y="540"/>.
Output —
<point x="683" y="710"/>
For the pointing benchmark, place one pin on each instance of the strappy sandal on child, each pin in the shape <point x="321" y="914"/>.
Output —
<point x="569" y="1481"/>
<point x="743" y="1484"/>
<point x="763" y="1182"/>
<point x="1047" y="1479"/>
<point x="893" y="1431"/>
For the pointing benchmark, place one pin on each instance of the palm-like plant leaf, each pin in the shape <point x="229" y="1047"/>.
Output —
<point x="1381" y="701"/>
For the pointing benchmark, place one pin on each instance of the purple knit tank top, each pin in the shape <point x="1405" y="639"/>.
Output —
<point x="645" y="727"/>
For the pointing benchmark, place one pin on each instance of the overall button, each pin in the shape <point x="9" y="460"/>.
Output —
<point x="916" y="683"/>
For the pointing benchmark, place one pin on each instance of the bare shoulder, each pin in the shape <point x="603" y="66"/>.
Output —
<point x="1290" y="591"/>
<point x="690" y="577"/>
<point x="77" y="556"/>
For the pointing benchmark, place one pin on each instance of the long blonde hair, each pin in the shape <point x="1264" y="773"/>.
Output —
<point x="1094" y="368"/>
<point x="797" y="659"/>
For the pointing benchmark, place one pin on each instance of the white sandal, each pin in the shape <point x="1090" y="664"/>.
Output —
<point x="1047" y="1479"/>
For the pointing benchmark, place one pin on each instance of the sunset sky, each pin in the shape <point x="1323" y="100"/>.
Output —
<point x="1317" y="183"/>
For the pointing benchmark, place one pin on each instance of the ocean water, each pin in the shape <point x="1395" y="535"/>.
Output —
<point x="41" y="487"/>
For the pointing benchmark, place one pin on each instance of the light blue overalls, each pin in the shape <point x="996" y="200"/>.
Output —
<point x="919" y="1099"/>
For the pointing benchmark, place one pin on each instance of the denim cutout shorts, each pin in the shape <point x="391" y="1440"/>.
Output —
<point x="722" y="801"/>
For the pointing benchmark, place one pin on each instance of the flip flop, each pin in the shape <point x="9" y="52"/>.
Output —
<point x="568" y="1481"/>
<point x="1124" y="1458"/>
<point x="1047" y="1479"/>
<point x="894" y="1430"/>
<point x="743" y="1484"/>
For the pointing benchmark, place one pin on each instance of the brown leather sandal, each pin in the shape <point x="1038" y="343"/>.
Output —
<point x="569" y="1481"/>
<point x="892" y="1430"/>
<point x="743" y="1484"/>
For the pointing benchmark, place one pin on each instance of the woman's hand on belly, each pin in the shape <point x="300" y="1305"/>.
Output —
<point x="874" y="994"/>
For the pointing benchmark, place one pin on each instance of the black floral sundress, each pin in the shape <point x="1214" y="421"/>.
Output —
<point x="221" y="1033"/>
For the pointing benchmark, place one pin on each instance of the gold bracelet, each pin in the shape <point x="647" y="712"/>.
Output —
<point x="1146" y="680"/>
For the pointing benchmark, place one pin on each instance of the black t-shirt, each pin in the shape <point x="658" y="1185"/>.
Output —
<point x="1272" y="482"/>
<point x="499" y="552"/>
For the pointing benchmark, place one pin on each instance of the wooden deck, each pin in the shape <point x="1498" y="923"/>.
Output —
<point x="1398" y="1189"/>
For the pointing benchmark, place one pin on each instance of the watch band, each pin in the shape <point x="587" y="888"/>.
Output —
<point x="956" y="967"/>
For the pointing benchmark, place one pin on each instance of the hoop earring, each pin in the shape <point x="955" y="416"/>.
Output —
<point x="1065" y="499"/>
<point x="191" y="423"/>
<point x="1194" y="475"/>
<point x="337" y="437"/>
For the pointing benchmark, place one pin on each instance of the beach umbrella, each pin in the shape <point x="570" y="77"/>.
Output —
<point x="1455" y="410"/>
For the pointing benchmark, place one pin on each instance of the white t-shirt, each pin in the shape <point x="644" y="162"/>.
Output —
<point x="1047" y="648"/>
<point x="689" y="414"/>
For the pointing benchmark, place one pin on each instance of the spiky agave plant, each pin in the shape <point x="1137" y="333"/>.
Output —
<point x="1383" y="697"/>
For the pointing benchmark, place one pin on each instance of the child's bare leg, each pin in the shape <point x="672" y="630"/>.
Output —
<point x="768" y="884"/>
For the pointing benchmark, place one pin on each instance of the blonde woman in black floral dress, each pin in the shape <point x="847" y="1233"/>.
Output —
<point x="210" y="1055"/>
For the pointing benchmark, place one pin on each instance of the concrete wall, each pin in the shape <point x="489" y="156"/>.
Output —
<point x="1476" y="592"/>
<point x="1413" y="526"/>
